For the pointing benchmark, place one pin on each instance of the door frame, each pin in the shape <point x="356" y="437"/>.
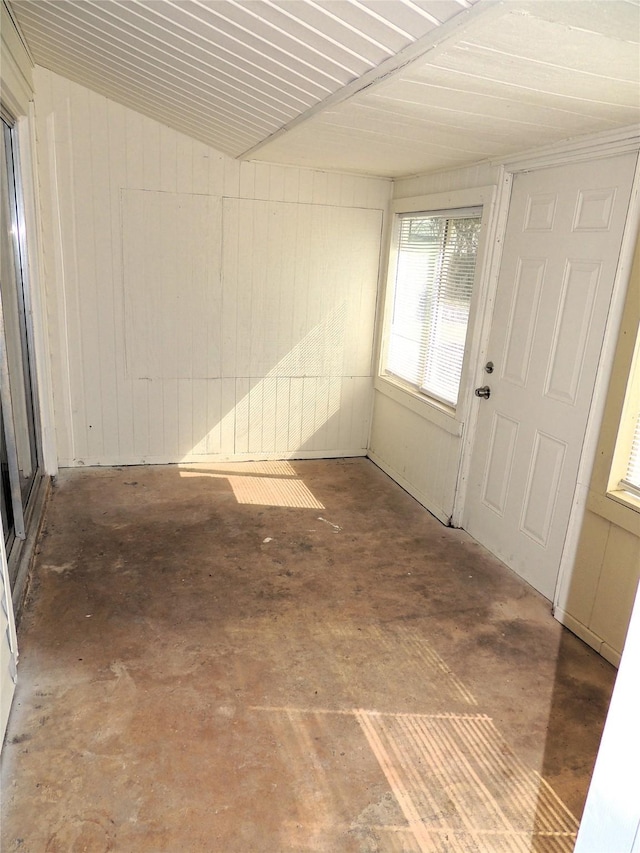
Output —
<point x="32" y="269"/>
<point x="596" y="147"/>
<point x="482" y="328"/>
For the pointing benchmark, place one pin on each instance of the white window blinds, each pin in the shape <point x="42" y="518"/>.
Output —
<point x="432" y="296"/>
<point x="631" y="481"/>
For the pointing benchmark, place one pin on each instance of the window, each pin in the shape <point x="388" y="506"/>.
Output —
<point x="624" y="475"/>
<point x="629" y="432"/>
<point x="435" y="269"/>
<point x="631" y="480"/>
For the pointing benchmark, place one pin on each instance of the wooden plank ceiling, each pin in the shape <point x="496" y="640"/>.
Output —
<point x="517" y="77"/>
<point x="383" y="87"/>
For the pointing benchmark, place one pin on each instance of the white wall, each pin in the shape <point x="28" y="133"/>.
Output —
<point x="200" y="308"/>
<point x="417" y="446"/>
<point x="477" y="175"/>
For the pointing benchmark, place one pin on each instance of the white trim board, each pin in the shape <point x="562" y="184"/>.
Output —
<point x="588" y="636"/>
<point x="591" y="147"/>
<point x="213" y="458"/>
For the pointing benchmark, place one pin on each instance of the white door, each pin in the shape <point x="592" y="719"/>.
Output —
<point x="564" y="231"/>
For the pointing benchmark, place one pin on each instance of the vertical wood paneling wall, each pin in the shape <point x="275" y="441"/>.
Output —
<point x="416" y="452"/>
<point x="198" y="307"/>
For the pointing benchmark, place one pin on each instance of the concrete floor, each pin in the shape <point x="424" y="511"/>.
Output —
<point x="287" y="657"/>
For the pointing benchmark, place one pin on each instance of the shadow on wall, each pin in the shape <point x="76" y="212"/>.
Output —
<point x="302" y="403"/>
<point x="246" y="328"/>
<point x="305" y="403"/>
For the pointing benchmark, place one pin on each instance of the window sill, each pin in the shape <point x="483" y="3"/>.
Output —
<point x="618" y="507"/>
<point x="626" y="499"/>
<point x="431" y="410"/>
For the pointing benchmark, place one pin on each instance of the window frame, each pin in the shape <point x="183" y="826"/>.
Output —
<point x="624" y="439"/>
<point x="450" y="418"/>
<point x="425" y="375"/>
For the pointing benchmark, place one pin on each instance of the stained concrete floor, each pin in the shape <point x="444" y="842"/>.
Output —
<point x="282" y="657"/>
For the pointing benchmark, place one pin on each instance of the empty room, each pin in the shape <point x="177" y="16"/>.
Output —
<point x="320" y="425"/>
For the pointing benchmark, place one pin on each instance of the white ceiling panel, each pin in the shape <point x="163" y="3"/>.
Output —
<point x="383" y="87"/>
<point x="523" y="75"/>
<point x="229" y="72"/>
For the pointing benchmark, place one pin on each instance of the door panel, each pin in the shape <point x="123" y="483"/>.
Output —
<point x="502" y="445"/>
<point x="563" y="238"/>
<point x="541" y="490"/>
<point x="571" y="334"/>
<point x="522" y="321"/>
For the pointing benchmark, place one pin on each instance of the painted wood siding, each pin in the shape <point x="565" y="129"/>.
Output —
<point x="200" y="308"/>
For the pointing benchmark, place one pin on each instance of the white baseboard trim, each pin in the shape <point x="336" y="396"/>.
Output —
<point x="210" y="458"/>
<point x="588" y="636"/>
<point x="580" y="630"/>
<point x="611" y="654"/>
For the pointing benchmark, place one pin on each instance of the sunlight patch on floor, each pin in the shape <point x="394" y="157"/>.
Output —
<point x="267" y="492"/>
<point x="457" y="769"/>
<point x="457" y="783"/>
<point x="260" y="483"/>
<point x="266" y="468"/>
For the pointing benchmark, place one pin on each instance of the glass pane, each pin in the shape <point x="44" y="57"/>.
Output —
<point x="5" y="488"/>
<point x="14" y="319"/>
<point x="632" y="478"/>
<point x="447" y="325"/>
<point x="432" y="297"/>
<point x="418" y="258"/>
